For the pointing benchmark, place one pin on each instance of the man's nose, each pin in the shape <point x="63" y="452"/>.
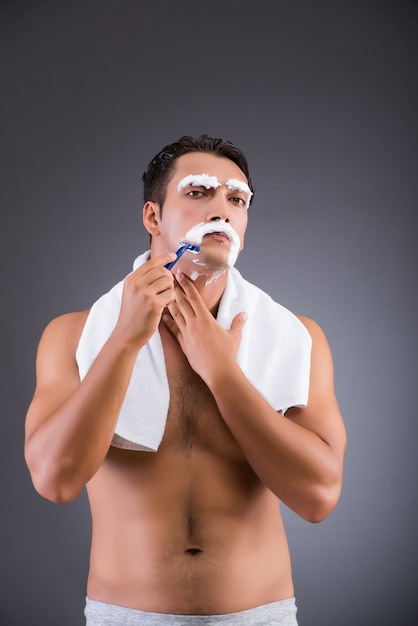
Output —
<point x="219" y="210"/>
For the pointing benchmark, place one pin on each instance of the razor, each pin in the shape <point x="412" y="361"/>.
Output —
<point x="184" y="247"/>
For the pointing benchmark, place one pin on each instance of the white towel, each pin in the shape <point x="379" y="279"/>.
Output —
<point x="274" y="354"/>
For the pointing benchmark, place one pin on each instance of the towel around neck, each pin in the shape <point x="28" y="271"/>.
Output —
<point x="274" y="354"/>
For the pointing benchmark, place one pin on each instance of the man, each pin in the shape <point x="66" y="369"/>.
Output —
<point x="201" y="404"/>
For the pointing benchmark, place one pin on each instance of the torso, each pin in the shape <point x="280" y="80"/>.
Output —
<point x="189" y="529"/>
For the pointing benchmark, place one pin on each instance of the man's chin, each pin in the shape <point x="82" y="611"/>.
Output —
<point x="214" y="260"/>
<point x="207" y="266"/>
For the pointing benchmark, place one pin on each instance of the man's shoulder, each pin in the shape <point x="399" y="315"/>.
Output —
<point x="66" y="327"/>
<point x="311" y="325"/>
<point x="69" y="320"/>
<point x="57" y="347"/>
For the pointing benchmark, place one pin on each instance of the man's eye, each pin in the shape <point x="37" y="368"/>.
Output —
<point x="195" y="193"/>
<point x="239" y="201"/>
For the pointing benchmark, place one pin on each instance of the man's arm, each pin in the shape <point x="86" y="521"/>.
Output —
<point x="299" y="456"/>
<point x="70" y="424"/>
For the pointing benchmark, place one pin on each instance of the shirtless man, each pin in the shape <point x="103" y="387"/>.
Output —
<point x="193" y="529"/>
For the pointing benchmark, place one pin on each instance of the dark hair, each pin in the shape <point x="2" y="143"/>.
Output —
<point x="159" y="171"/>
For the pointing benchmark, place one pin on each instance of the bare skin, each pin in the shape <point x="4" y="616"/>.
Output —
<point x="194" y="528"/>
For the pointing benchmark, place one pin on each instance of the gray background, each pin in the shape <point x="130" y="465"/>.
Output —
<point x="322" y="97"/>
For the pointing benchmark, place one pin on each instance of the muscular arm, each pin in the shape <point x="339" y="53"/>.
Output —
<point x="70" y="424"/>
<point x="299" y="456"/>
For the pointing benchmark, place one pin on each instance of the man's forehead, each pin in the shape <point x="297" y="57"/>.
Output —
<point x="214" y="165"/>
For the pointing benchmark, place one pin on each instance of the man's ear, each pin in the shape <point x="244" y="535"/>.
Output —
<point x="151" y="217"/>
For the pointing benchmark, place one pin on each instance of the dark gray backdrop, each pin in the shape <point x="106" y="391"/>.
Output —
<point x="322" y="96"/>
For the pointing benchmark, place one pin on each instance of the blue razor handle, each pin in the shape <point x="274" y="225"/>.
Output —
<point x="183" y="248"/>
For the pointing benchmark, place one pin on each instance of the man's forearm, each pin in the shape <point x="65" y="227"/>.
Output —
<point x="294" y="462"/>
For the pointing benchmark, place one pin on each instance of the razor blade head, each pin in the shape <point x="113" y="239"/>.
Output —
<point x="190" y="247"/>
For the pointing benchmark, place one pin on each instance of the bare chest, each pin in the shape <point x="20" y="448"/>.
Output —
<point x="194" y="420"/>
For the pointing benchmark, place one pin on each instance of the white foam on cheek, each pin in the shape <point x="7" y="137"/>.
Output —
<point x="239" y="185"/>
<point x="199" y="180"/>
<point x="196" y="233"/>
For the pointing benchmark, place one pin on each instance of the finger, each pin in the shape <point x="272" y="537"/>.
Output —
<point x="175" y="312"/>
<point x="183" y="302"/>
<point x="157" y="273"/>
<point x="171" y="324"/>
<point x="161" y="284"/>
<point x="186" y="283"/>
<point x="235" y="330"/>
<point x="188" y="293"/>
<point x="156" y="264"/>
<point x="161" y="260"/>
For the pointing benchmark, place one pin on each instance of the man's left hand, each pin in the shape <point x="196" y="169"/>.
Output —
<point x="207" y="345"/>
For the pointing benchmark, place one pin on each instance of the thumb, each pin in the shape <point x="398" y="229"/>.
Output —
<point x="238" y="322"/>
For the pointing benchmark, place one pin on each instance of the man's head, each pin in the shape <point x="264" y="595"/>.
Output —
<point x="198" y="188"/>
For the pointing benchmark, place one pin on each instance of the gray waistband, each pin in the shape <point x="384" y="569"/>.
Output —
<point x="282" y="613"/>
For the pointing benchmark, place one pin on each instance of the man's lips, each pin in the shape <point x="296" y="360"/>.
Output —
<point x="217" y="236"/>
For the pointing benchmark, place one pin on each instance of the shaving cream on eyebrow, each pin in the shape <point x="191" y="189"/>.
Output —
<point x="199" y="180"/>
<point x="239" y="185"/>
<point x="196" y="233"/>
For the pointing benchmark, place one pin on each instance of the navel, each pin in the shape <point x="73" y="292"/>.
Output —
<point x="193" y="551"/>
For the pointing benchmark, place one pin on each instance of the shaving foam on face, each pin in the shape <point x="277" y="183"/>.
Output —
<point x="195" y="236"/>
<point x="199" y="180"/>
<point x="239" y="185"/>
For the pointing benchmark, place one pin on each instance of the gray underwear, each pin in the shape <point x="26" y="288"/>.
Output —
<point x="282" y="613"/>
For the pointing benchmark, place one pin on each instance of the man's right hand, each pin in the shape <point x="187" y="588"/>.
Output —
<point x="146" y="292"/>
